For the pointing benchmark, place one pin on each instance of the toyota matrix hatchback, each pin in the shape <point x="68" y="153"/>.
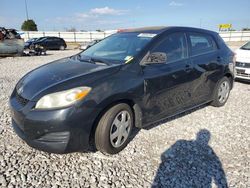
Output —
<point x="131" y="79"/>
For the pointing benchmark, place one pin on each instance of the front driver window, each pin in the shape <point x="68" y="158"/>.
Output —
<point x="174" y="46"/>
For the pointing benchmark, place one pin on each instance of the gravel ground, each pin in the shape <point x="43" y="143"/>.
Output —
<point x="206" y="147"/>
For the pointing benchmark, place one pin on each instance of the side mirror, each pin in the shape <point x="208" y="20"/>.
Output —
<point x="155" y="57"/>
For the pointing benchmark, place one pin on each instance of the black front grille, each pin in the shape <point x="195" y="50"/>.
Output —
<point x="21" y="100"/>
<point x="241" y="72"/>
<point x="242" y="64"/>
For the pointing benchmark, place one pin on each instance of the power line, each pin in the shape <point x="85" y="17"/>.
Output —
<point x="26" y="8"/>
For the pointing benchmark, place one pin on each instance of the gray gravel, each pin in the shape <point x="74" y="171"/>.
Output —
<point x="172" y="154"/>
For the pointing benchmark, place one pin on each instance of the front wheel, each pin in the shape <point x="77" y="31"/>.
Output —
<point x="221" y="92"/>
<point x="114" y="128"/>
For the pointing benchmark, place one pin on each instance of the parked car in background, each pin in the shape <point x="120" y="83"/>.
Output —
<point x="86" y="45"/>
<point x="31" y="48"/>
<point x="9" y="33"/>
<point x="34" y="50"/>
<point x="29" y="42"/>
<point x="11" y="47"/>
<point x="243" y="62"/>
<point x="10" y="42"/>
<point x="130" y="79"/>
<point x="49" y="43"/>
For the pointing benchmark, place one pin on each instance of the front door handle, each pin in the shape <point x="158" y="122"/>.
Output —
<point x="219" y="59"/>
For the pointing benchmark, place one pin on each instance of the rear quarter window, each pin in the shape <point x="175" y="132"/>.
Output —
<point x="201" y="43"/>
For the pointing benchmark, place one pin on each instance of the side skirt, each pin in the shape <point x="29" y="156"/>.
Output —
<point x="171" y="116"/>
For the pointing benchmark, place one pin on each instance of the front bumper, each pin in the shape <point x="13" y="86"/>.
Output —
<point x="242" y="73"/>
<point x="242" y="70"/>
<point x="54" y="131"/>
<point x="52" y="142"/>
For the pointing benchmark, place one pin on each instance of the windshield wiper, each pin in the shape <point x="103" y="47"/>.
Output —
<point x="99" y="61"/>
<point x="93" y="60"/>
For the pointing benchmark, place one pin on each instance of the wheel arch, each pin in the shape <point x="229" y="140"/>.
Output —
<point x="230" y="77"/>
<point x="132" y="104"/>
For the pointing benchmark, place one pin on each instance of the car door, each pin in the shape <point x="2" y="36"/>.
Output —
<point x="8" y="46"/>
<point x="205" y="57"/>
<point x="57" y="43"/>
<point x="168" y="85"/>
<point x="49" y="43"/>
<point x="46" y="43"/>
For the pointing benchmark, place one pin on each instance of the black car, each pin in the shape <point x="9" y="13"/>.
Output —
<point x="49" y="43"/>
<point x="130" y="79"/>
<point x="29" y="42"/>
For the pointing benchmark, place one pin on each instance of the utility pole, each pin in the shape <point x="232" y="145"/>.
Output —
<point x="26" y="8"/>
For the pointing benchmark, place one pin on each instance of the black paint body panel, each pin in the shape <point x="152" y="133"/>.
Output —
<point x="156" y="91"/>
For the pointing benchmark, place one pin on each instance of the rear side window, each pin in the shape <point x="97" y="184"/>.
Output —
<point x="175" y="47"/>
<point x="49" y="39"/>
<point x="55" y="39"/>
<point x="201" y="43"/>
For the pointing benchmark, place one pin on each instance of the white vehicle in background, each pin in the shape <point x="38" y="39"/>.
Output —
<point x="11" y="47"/>
<point x="11" y="43"/>
<point x="243" y="62"/>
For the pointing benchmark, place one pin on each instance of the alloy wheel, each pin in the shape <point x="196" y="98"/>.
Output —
<point x="224" y="90"/>
<point x="120" y="129"/>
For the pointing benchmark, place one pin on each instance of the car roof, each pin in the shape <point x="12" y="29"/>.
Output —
<point x="51" y="37"/>
<point x="156" y="29"/>
<point x="162" y="29"/>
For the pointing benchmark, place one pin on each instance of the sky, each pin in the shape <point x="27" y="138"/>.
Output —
<point x="59" y="15"/>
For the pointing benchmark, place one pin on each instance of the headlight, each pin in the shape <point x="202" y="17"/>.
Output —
<point x="62" y="98"/>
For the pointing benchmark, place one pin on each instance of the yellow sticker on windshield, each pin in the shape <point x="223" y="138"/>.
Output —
<point x="128" y="59"/>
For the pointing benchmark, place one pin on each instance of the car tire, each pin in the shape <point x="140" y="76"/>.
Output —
<point x="114" y="128"/>
<point x="221" y="92"/>
<point x="62" y="48"/>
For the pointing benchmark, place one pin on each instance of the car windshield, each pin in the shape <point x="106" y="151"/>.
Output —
<point x="119" y="47"/>
<point x="246" y="46"/>
<point x="31" y="40"/>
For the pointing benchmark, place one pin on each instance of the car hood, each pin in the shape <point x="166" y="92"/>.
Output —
<point x="243" y="55"/>
<point x="61" y="75"/>
<point x="27" y="43"/>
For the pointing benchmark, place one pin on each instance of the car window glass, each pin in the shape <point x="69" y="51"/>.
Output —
<point x="49" y="39"/>
<point x="41" y="39"/>
<point x="201" y="43"/>
<point x="57" y="40"/>
<point x="175" y="47"/>
<point x="54" y="39"/>
<point x="120" y="43"/>
<point x="119" y="47"/>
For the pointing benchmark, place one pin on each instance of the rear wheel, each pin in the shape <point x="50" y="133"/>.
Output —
<point x="62" y="48"/>
<point x="114" y="128"/>
<point x="221" y="92"/>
